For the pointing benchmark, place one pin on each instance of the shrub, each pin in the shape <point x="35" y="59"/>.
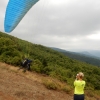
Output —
<point x="50" y="84"/>
<point x="66" y="88"/>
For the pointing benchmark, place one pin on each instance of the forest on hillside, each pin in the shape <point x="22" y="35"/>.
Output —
<point x="47" y="61"/>
<point x="88" y="58"/>
<point x="84" y="58"/>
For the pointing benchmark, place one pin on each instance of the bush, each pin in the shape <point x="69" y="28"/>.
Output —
<point x="66" y="89"/>
<point x="11" y="57"/>
<point x="50" y="84"/>
<point x="36" y="66"/>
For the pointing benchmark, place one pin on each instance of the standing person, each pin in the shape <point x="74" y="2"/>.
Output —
<point x="79" y="85"/>
<point x="26" y="63"/>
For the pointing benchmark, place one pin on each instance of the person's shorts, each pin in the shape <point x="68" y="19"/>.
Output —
<point x="78" y="97"/>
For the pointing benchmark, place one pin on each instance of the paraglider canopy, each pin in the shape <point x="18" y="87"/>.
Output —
<point x="15" y="11"/>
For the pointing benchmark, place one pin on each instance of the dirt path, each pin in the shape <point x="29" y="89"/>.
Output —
<point x="16" y="85"/>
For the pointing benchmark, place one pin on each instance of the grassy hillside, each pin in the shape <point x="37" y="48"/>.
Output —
<point x="48" y="61"/>
<point x="17" y="85"/>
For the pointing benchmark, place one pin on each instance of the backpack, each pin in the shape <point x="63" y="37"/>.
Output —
<point x="24" y="62"/>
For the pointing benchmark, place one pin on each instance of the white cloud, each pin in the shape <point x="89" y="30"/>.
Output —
<point x="95" y="36"/>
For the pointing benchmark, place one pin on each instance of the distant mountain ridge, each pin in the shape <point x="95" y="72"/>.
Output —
<point x="81" y="56"/>
<point x="95" y="53"/>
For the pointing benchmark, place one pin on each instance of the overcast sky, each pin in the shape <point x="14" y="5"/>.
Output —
<point x="66" y="24"/>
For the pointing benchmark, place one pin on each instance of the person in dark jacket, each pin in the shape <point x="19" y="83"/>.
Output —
<point x="26" y="64"/>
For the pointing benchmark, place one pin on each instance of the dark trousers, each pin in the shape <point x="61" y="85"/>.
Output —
<point x="78" y="97"/>
<point x="28" y="66"/>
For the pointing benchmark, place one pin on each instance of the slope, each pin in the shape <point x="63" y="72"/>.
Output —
<point x="50" y="63"/>
<point x="16" y="85"/>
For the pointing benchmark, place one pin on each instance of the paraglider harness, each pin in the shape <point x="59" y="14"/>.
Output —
<point x="26" y="64"/>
